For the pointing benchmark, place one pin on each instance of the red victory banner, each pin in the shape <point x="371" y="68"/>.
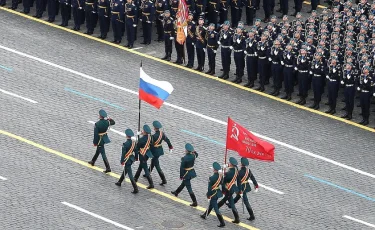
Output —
<point x="247" y="144"/>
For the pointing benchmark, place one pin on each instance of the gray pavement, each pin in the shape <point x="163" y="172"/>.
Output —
<point x="38" y="182"/>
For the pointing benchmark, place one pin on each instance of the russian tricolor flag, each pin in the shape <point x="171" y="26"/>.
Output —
<point x="153" y="91"/>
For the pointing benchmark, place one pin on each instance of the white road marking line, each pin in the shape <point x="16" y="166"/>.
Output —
<point x="260" y="185"/>
<point x="359" y="221"/>
<point x="137" y="48"/>
<point x="3" y="178"/>
<point x="18" y="96"/>
<point x="96" y="216"/>
<point x="191" y="112"/>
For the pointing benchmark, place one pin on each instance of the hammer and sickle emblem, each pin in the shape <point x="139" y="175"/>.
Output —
<point x="235" y="132"/>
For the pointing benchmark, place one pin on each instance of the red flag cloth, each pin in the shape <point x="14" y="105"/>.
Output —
<point x="247" y="144"/>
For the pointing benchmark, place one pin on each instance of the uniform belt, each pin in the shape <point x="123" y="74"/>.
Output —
<point x="210" y="46"/>
<point x="102" y="134"/>
<point x="159" y="11"/>
<point x="225" y="46"/>
<point x="317" y="75"/>
<point x="275" y="62"/>
<point x="146" y="14"/>
<point x="174" y="8"/>
<point x="250" y="55"/>
<point x="188" y="169"/>
<point x="89" y="3"/>
<point x="332" y="80"/>
<point x="130" y="16"/>
<point x="289" y="66"/>
<point x="156" y="146"/>
<point x="213" y="3"/>
<point x="223" y="1"/>
<point x="364" y="91"/>
<point x="237" y="51"/>
<point x="102" y="7"/>
<point x="262" y="57"/>
<point x="167" y="32"/>
<point x="113" y="12"/>
<point x="200" y="5"/>
<point x="349" y="85"/>
<point x="302" y="71"/>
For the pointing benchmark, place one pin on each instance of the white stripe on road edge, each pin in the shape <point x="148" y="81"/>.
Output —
<point x="191" y="112"/>
<point x="18" y="96"/>
<point x="359" y="221"/>
<point x="3" y="178"/>
<point x="97" y="216"/>
<point x="260" y="185"/>
<point x="137" y="48"/>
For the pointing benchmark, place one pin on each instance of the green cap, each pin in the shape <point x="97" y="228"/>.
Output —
<point x="102" y="113"/>
<point x="233" y="161"/>
<point x="129" y="133"/>
<point x="216" y="166"/>
<point x="244" y="161"/>
<point x="156" y="124"/>
<point x="147" y="129"/>
<point x="189" y="147"/>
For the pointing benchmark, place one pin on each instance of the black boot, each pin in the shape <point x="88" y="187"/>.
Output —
<point x="289" y="97"/>
<point x="221" y="219"/>
<point x="349" y="116"/>
<point x="236" y="217"/>
<point x="209" y="71"/>
<point x="226" y="76"/>
<point x="345" y="116"/>
<point x="194" y="199"/>
<point x="135" y="187"/>
<point x="313" y="106"/>
<point x="107" y="167"/>
<point x="333" y="111"/>
<point x="165" y="57"/>
<point x="163" y="180"/>
<point x="284" y="97"/>
<point x="277" y="93"/>
<point x="329" y="111"/>
<point x="118" y="183"/>
<point x="151" y="183"/>
<point x="251" y="213"/>
<point x="178" y="190"/>
<point x="206" y="213"/>
<point x="137" y="174"/>
<point x="169" y="57"/>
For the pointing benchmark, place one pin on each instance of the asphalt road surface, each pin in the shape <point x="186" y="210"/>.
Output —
<point x="53" y="84"/>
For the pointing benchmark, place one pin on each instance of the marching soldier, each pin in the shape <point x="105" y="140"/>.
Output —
<point x="302" y="68"/>
<point x="239" y="46"/>
<point x="187" y="173"/>
<point x="190" y="41"/>
<point x="160" y="7"/>
<point x="365" y="88"/>
<point x="91" y="7"/>
<point x="143" y="153"/>
<point x="251" y="59"/>
<point x="212" y="39"/>
<point x="200" y="45"/>
<point x="78" y="14"/>
<point x="245" y="175"/>
<point x="317" y="72"/>
<point x="275" y="58"/>
<point x="214" y="193"/>
<point x="349" y="79"/>
<point x="117" y="19"/>
<point x="334" y="76"/>
<point x="148" y="13"/>
<point x="131" y="22"/>
<point x="157" y="149"/>
<point x="168" y="23"/>
<point x="104" y="14"/>
<point x="101" y="138"/>
<point x="127" y="159"/>
<point x="229" y="187"/>
<point x="226" y="41"/>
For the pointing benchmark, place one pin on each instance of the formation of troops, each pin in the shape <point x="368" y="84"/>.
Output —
<point x="227" y="180"/>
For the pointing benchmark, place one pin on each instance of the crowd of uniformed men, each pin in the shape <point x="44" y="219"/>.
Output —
<point x="325" y="52"/>
<point x="234" y="183"/>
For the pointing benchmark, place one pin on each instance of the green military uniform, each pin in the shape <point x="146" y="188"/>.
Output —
<point x="143" y="153"/>
<point x="230" y="182"/>
<point x="101" y="138"/>
<point x="127" y="159"/>
<point x="244" y="175"/>
<point x="157" y="149"/>
<point x="187" y="173"/>
<point x="214" y="193"/>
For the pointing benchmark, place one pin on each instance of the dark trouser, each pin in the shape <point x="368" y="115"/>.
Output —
<point x="349" y="93"/>
<point x="2" y="2"/>
<point x="365" y="99"/>
<point x="90" y="20"/>
<point x="249" y="15"/>
<point x="101" y="150"/>
<point x="288" y="79"/>
<point x="226" y="59"/>
<point x="213" y="205"/>
<point x="246" y="203"/>
<point x="185" y="183"/>
<point x="168" y="44"/>
<point x="199" y="11"/>
<point x="52" y="9"/>
<point x="239" y="60"/>
<point x="251" y="64"/>
<point x="262" y="65"/>
<point x="235" y="15"/>
<point x="284" y="4"/>
<point x="212" y="15"/>
<point x="228" y="197"/>
<point x="201" y="55"/>
<point x="211" y="54"/>
<point x="155" y="163"/>
<point x="14" y="4"/>
<point x="130" y="31"/>
<point x="127" y="170"/>
<point x="117" y="28"/>
<point x="39" y="8"/>
<point x="190" y="52"/>
<point x="223" y="15"/>
<point x="159" y="29"/>
<point x="104" y="24"/>
<point x="77" y="17"/>
<point x="303" y="78"/>
<point x="314" y="4"/>
<point x="65" y="10"/>
<point x="147" y="31"/>
<point x="298" y="5"/>
<point x="317" y="84"/>
<point x="333" y="90"/>
<point x="180" y="51"/>
<point x="26" y="5"/>
<point x="142" y="165"/>
<point x="267" y="7"/>
<point x="277" y="75"/>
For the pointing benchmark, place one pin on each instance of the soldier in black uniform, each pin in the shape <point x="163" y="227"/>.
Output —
<point x="262" y="52"/>
<point x="365" y="88"/>
<point x="333" y="76"/>
<point x="288" y="64"/>
<point x="275" y="57"/>
<point x="239" y="46"/>
<point x="302" y="66"/>
<point x="91" y="8"/>
<point x="250" y="11"/>
<point x="225" y="41"/>
<point x="160" y="7"/>
<point x="318" y="73"/>
<point x="104" y="12"/>
<point x="148" y="13"/>
<point x="65" y="6"/>
<point x="169" y="32"/>
<point x="251" y="59"/>
<point x="200" y="44"/>
<point x="131" y="22"/>
<point x="224" y="11"/>
<point x="349" y="79"/>
<point x="212" y="38"/>
<point x="190" y="41"/>
<point x="213" y="11"/>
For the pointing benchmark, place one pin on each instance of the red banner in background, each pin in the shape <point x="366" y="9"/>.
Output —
<point x="247" y="144"/>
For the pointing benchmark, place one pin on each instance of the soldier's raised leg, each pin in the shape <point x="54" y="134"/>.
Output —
<point x="179" y="189"/>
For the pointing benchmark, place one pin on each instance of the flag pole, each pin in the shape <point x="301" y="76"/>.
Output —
<point x="139" y="109"/>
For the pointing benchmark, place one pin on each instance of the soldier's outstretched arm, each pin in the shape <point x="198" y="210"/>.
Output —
<point x="166" y="139"/>
<point x="252" y="178"/>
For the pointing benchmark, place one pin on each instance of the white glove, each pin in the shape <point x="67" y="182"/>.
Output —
<point x="358" y="88"/>
<point x="241" y="195"/>
<point x="225" y="166"/>
<point x="245" y="52"/>
<point x="373" y="94"/>
<point x="171" y="38"/>
<point x="214" y="51"/>
<point x="310" y="72"/>
<point x="66" y="3"/>
<point x="231" y="47"/>
<point x="140" y="19"/>
<point x="269" y="59"/>
<point x="93" y="12"/>
<point x="106" y="16"/>
<point x="148" y="22"/>
<point x="138" y="133"/>
<point x="295" y="68"/>
<point x="255" y="190"/>
<point x="221" y="171"/>
<point x="80" y="8"/>
<point x="342" y="82"/>
<point x="204" y="50"/>
<point x="225" y="9"/>
<point x="134" y="25"/>
<point x="208" y="200"/>
<point x="216" y="11"/>
<point x="133" y="138"/>
<point x="171" y="151"/>
<point x="194" y="44"/>
<point x="238" y="41"/>
<point x="218" y="42"/>
<point x="327" y="77"/>
<point x="282" y="63"/>
<point x="256" y="54"/>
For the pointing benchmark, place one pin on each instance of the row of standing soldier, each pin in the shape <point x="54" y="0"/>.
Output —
<point x="233" y="182"/>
